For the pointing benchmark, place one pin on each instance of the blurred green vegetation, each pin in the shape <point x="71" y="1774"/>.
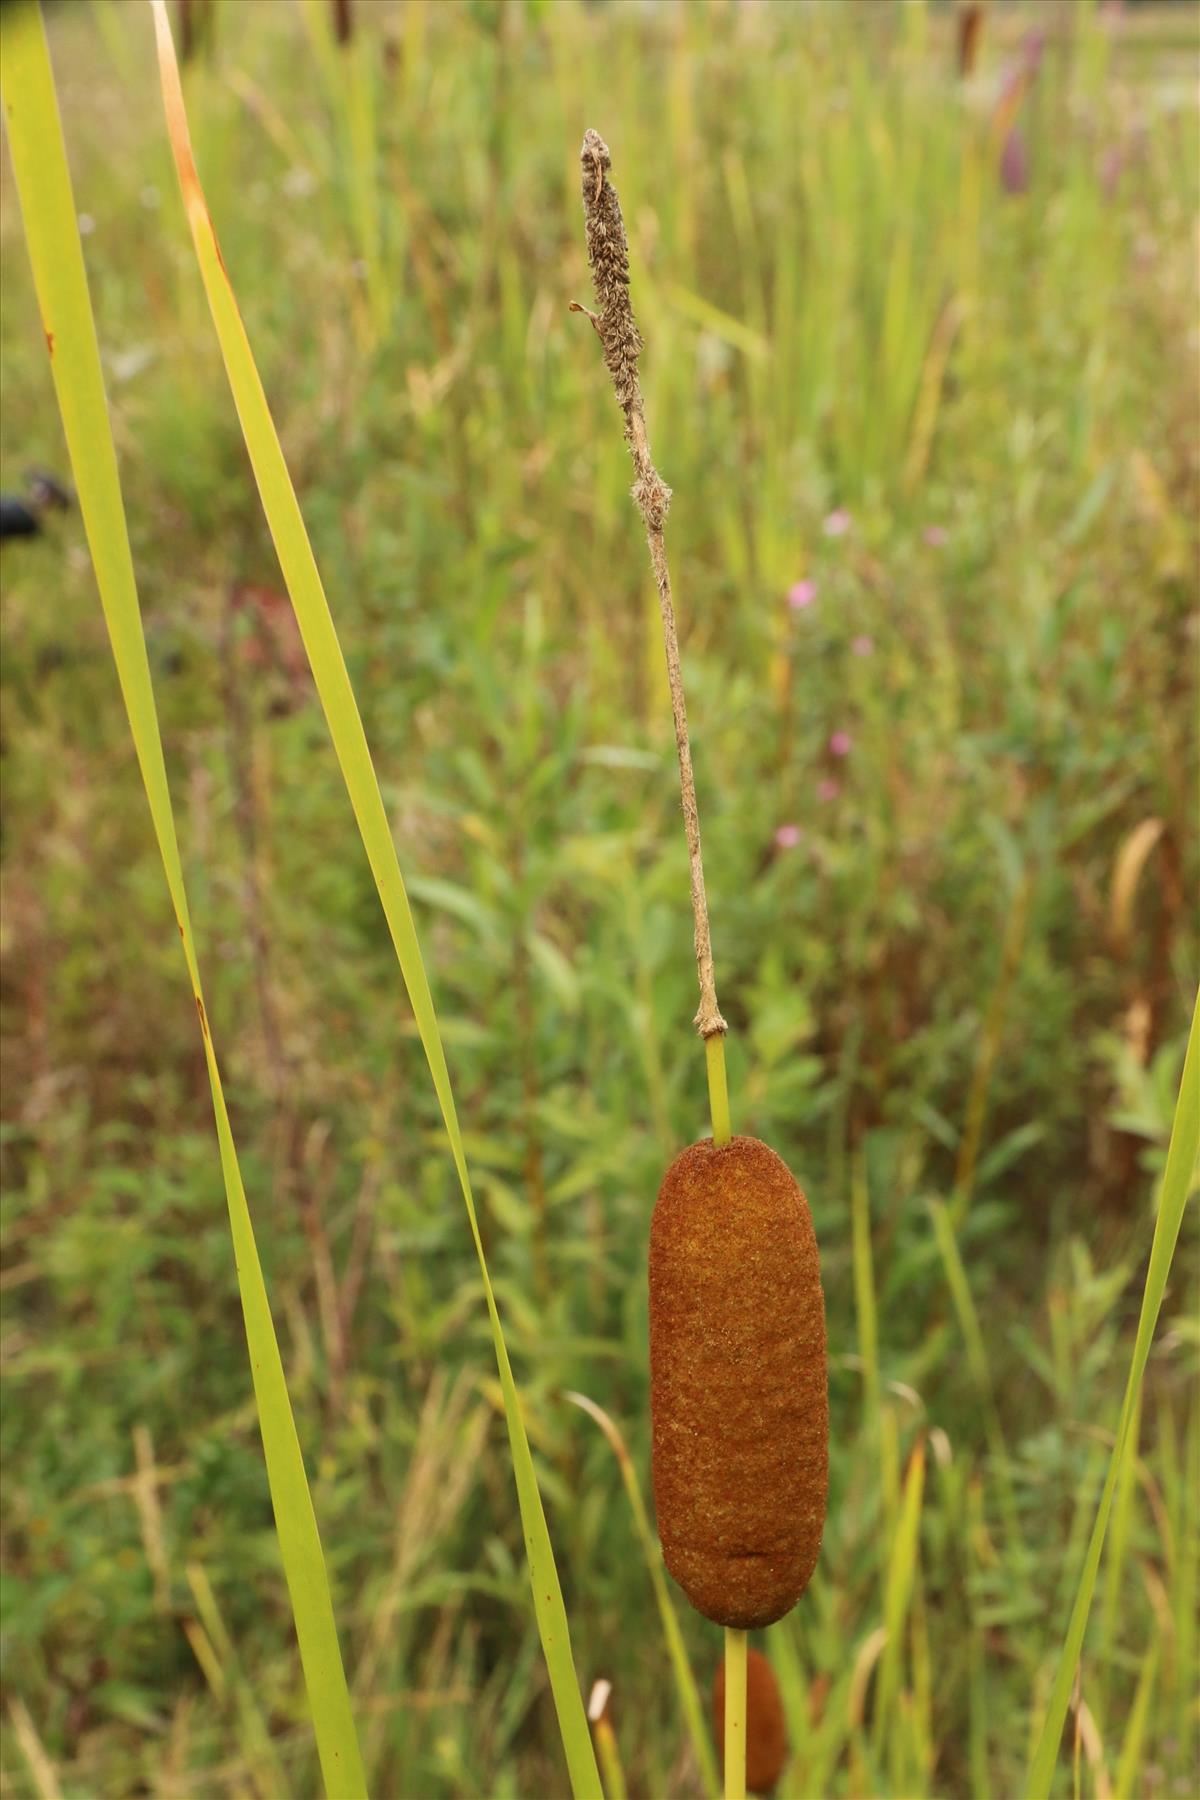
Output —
<point x="929" y="411"/>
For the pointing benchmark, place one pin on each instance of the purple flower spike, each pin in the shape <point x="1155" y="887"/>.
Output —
<point x="828" y="788"/>
<point x="937" y="535"/>
<point x="863" y="644"/>
<point x="837" y="523"/>
<point x="841" y="743"/>
<point x="1014" y="164"/>
<point x="801" y="594"/>
<point x="787" y="836"/>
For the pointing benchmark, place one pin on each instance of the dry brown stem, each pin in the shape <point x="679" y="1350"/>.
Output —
<point x="608" y="254"/>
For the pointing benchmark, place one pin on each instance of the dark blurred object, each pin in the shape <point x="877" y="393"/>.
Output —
<point x="343" y="21"/>
<point x="16" y="520"/>
<point x="46" y="491"/>
<point x="970" y="37"/>
<point x="22" y="517"/>
<point x="766" y="1732"/>
<point x="197" y="27"/>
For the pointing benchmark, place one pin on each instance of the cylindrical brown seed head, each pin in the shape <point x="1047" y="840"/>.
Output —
<point x="738" y="1398"/>
<point x="766" y="1731"/>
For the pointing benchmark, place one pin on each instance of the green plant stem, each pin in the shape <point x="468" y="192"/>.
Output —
<point x="989" y="1050"/>
<point x="735" y="1715"/>
<point x="735" y="1641"/>
<point x="1178" y="1177"/>
<point x="718" y="1090"/>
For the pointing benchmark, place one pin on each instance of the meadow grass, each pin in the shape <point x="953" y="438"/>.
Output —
<point x="847" y="315"/>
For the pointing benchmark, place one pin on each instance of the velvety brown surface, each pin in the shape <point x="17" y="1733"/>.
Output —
<point x="738" y="1397"/>
<point x="766" y="1732"/>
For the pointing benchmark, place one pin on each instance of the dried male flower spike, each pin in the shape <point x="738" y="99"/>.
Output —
<point x="738" y="1393"/>
<point x="616" y="327"/>
<point x="608" y="254"/>
<point x="766" y="1729"/>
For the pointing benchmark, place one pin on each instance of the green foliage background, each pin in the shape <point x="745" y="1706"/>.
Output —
<point x="966" y="982"/>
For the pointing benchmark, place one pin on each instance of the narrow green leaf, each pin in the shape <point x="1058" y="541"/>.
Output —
<point x="864" y="1292"/>
<point x="48" y="210"/>
<point x="1176" y="1186"/>
<point x="898" y="1590"/>
<point x="324" y="652"/>
<point x="977" y="1357"/>
<point x="1131" y="1765"/>
<point x="1118" y="1547"/>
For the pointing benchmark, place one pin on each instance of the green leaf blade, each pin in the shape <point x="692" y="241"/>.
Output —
<point x="336" y="695"/>
<point x="1176" y="1186"/>
<point x="48" y="211"/>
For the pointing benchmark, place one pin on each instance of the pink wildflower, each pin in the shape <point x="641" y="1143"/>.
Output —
<point x="837" y="523"/>
<point x="828" y="788"/>
<point x="1014" y="163"/>
<point x="787" y="836"/>
<point x="801" y="594"/>
<point x="937" y="535"/>
<point x="841" y="743"/>
<point x="863" y="644"/>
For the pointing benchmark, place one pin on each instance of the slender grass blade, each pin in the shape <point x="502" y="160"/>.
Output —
<point x="1125" y="1784"/>
<point x="1176" y="1186"/>
<point x="898" y="1592"/>
<point x="354" y="757"/>
<point x="48" y="211"/>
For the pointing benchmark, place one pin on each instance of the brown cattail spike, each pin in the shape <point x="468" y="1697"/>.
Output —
<point x="738" y="1396"/>
<point x="970" y="32"/>
<point x="766" y="1729"/>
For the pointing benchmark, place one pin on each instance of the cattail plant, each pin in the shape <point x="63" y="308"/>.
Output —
<point x="738" y="1395"/>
